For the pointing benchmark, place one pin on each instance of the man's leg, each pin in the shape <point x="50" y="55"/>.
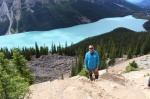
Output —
<point x="96" y="75"/>
<point x="90" y="75"/>
<point x="149" y="82"/>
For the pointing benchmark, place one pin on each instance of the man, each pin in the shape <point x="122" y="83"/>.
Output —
<point x="91" y="62"/>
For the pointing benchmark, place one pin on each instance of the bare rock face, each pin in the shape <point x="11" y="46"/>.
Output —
<point x="4" y="10"/>
<point x="50" y="67"/>
<point x="11" y="10"/>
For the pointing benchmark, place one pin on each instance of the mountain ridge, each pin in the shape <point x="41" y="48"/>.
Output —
<point x="32" y="15"/>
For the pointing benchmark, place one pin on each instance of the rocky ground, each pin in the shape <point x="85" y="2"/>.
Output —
<point x="51" y="67"/>
<point x="111" y="85"/>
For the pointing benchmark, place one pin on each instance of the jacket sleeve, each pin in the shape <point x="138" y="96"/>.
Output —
<point x="86" y="62"/>
<point x="97" y="60"/>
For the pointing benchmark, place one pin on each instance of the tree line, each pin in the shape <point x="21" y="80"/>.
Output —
<point x="111" y="45"/>
<point x="40" y="50"/>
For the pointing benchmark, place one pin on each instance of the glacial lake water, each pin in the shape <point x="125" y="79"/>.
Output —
<point x="71" y="34"/>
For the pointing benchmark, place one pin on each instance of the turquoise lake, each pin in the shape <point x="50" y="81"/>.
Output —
<point x="71" y="34"/>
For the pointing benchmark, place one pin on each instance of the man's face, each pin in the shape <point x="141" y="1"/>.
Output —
<point x="91" y="49"/>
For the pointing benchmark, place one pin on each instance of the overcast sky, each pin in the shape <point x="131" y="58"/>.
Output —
<point x="135" y="1"/>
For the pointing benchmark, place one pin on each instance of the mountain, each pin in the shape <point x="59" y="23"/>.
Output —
<point x="116" y="4"/>
<point x="145" y="4"/>
<point x="134" y="1"/>
<point x="39" y="15"/>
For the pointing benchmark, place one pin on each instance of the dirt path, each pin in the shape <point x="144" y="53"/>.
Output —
<point x="110" y="85"/>
<point x="80" y="87"/>
<point x="141" y="61"/>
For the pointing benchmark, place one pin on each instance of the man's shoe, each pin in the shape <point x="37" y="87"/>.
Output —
<point x="96" y="76"/>
<point x="91" y="78"/>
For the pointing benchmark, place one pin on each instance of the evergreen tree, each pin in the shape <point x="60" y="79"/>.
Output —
<point x="12" y="85"/>
<point x="109" y="46"/>
<point x="73" y="71"/>
<point x="71" y="50"/>
<point x="112" y="51"/>
<point x="20" y="64"/>
<point x="37" y="51"/>
<point x="66" y="48"/>
<point x="103" y="58"/>
<point x="146" y="46"/>
<point x="79" y="64"/>
<point x="129" y="53"/>
<point x="59" y="49"/>
<point x="118" y="52"/>
<point x="43" y="50"/>
<point x="103" y="65"/>
<point x="137" y="49"/>
<point x="53" y="48"/>
<point x="98" y="49"/>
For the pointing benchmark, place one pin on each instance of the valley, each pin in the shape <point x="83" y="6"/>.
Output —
<point x="78" y="33"/>
<point x="43" y="45"/>
<point x="25" y="15"/>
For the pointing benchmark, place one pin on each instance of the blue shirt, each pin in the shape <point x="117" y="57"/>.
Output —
<point x="91" y="60"/>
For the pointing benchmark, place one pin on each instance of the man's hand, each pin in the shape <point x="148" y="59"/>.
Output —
<point x="96" y="69"/>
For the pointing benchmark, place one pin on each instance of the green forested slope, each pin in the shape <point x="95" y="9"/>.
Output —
<point x="120" y="39"/>
<point x="147" y="25"/>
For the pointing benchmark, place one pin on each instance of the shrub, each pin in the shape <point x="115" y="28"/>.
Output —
<point x="129" y="68"/>
<point x="133" y="64"/>
<point x="132" y="67"/>
<point x="112" y="62"/>
<point x="83" y="72"/>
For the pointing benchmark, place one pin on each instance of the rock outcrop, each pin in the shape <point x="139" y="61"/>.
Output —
<point x="51" y="67"/>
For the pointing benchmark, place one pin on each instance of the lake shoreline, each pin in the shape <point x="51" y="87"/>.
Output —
<point x="71" y="34"/>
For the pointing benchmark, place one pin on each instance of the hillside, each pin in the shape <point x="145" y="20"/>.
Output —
<point x="50" y="67"/>
<point x="38" y="15"/>
<point x="110" y="85"/>
<point x="147" y="25"/>
<point x="145" y="4"/>
<point x="121" y="40"/>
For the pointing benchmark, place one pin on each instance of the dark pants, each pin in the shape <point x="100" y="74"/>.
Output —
<point x="149" y="82"/>
<point x="95" y="73"/>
